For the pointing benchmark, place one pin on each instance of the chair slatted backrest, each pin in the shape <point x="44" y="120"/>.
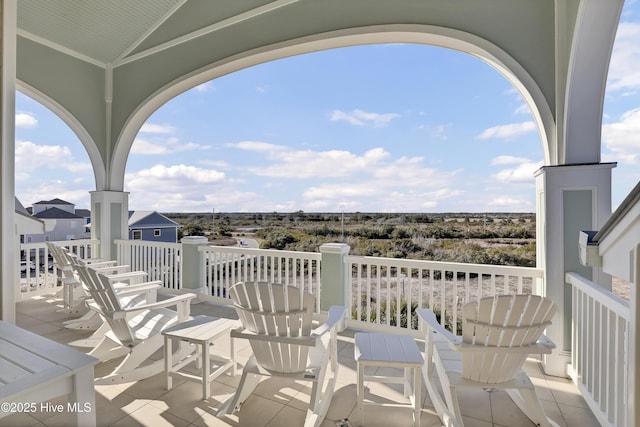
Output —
<point x="102" y="292"/>
<point x="60" y="260"/>
<point x="279" y="311"/>
<point x="504" y="321"/>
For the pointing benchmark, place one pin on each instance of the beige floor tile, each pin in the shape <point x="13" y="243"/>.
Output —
<point x="152" y="416"/>
<point x="505" y="412"/>
<point x="288" y="416"/>
<point x="147" y="402"/>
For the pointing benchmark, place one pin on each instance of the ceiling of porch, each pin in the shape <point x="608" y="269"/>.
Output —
<point x="106" y="32"/>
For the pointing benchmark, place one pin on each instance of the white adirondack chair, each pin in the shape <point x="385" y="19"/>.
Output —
<point x="73" y="295"/>
<point x="498" y="333"/>
<point x="76" y="294"/>
<point x="135" y="332"/>
<point x="277" y="322"/>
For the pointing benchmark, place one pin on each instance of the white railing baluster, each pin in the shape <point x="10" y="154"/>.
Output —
<point x="599" y="367"/>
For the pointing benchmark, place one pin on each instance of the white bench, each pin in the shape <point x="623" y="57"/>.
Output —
<point x="34" y="369"/>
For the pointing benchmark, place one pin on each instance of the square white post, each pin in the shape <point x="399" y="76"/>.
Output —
<point x="334" y="279"/>
<point x="193" y="265"/>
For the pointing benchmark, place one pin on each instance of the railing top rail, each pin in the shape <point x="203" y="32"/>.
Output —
<point x="78" y="242"/>
<point x="449" y="266"/>
<point x="243" y="250"/>
<point x="147" y="243"/>
<point x="603" y="296"/>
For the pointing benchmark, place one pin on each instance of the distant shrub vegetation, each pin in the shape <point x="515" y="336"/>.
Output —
<point x="492" y="238"/>
<point x="504" y="242"/>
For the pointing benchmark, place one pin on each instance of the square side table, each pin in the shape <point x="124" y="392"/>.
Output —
<point x="395" y="351"/>
<point x="200" y="331"/>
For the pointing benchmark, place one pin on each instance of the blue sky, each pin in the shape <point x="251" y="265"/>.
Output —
<point x="383" y="128"/>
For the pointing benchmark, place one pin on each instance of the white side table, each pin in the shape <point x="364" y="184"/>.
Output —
<point x="200" y="331"/>
<point x="395" y="351"/>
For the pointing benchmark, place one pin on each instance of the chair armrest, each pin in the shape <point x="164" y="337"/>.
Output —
<point x="309" y="341"/>
<point x="336" y="319"/>
<point x="132" y="277"/>
<point x="546" y="342"/>
<point x="138" y="288"/>
<point x="429" y="319"/>
<point x="111" y="269"/>
<point x="177" y="300"/>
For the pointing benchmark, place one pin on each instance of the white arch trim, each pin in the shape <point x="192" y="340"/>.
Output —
<point x="82" y="134"/>
<point x="378" y="34"/>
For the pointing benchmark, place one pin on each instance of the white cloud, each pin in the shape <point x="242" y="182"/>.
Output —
<point x="509" y="202"/>
<point x="26" y="120"/>
<point x="258" y="146"/>
<point x="522" y="173"/>
<point x="163" y="146"/>
<point x="362" y="118"/>
<point x="321" y="164"/>
<point x="365" y="196"/>
<point x="623" y="138"/>
<point x="30" y="157"/>
<point x="506" y="160"/>
<point x="624" y="69"/>
<point x="508" y="131"/>
<point x="155" y="128"/>
<point x="523" y="109"/>
<point x="182" y="188"/>
<point x="205" y="87"/>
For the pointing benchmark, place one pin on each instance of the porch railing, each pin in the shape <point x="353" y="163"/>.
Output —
<point x="160" y="260"/>
<point x="224" y="266"/>
<point x="38" y="276"/>
<point x="385" y="290"/>
<point x="599" y="366"/>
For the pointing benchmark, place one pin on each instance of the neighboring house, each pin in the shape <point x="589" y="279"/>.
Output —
<point x="61" y="219"/>
<point x="25" y="223"/>
<point x="152" y="226"/>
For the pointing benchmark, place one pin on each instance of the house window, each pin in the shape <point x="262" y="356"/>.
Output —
<point x="137" y="234"/>
<point x="156" y="232"/>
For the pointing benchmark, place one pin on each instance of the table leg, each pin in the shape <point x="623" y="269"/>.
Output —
<point x="417" y="394"/>
<point x="206" y="368"/>
<point x="84" y="397"/>
<point x="360" y="393"/>
<point x="167" y="361"/>
<point x="232" y="351"/>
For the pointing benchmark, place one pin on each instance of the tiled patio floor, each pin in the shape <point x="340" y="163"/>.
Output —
<point x="278" y="402"/>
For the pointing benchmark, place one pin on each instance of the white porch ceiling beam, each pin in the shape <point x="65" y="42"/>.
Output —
<point x="149" y="31"/>
<point x="61" y="48"/>
<point x="244" y="16"/>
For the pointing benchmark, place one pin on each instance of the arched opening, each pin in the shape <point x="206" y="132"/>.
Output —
<point x="386" y="127"/>
<point x="51" y="161"/>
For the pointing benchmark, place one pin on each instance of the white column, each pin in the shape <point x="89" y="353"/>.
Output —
<point x="109" y="220"/>
<point x="634" y="342"/>
<point x="9" y="274"/>
<point x="193" y="278"/>
<point x="570" y="198"/>
<point x="334" y="289"/>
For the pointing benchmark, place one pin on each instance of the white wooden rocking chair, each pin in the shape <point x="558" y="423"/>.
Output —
<point x="135" y="332"/>
<point x="73" y="295"/>
<point x="498" y="333"/>
<point x="277" y="322"/>
<point x="76" y="293"/>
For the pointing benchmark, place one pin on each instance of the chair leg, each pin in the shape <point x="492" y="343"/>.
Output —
<point x="528" y="402"/>
<point x="444" y="409"/>
<point x="108" y="349"/>
<point x="248" y="383"/>
<point x="130" y="369"/>
<point x="90" y="321"/>
<point x="322" y="391"/>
